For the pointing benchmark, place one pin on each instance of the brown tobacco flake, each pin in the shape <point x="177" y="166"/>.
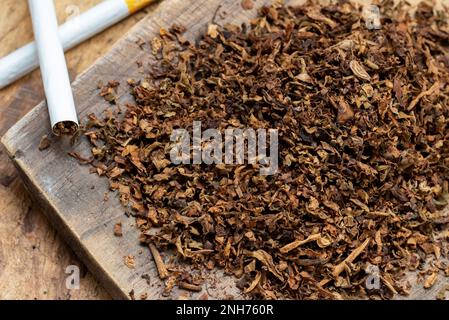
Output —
<point x="267" y="260"/>
<point x="386" y="279"/>
<point x="247" y="4"/>
<point x="130" y="261"/>
<point x="44" y="143"/>
<point x="441" y="295"/>
<point x="190" y="287"/>
<point x="67" y="128"/>
<point x="212" y="31"/>
<point x="160" y="265"/>
<point x="109" y="91"/>
<point x="254" y="283"/>
<point x="147" y="278"/>
<point x="118" y="229"/>
<point x="359" y="71"/>
<point x="345" y="112"/>
<point x="354" y="254"/>
<point x="431" y="90"/>
<point x="298" y="243"/>
<point x="144" y="296"/>
<point x="363" y="128"/>
<point x="430" y="280"/>
<point x="315" y="14"/>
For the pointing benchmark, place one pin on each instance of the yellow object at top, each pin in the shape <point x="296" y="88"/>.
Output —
<point x="136" y="5"/>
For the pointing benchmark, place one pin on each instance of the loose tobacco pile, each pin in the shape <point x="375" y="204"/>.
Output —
<point x="363" y="123"/>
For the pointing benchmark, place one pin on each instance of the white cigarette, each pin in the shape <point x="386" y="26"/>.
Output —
<point x="55" y="76"/>
<point x="71" y="33"/>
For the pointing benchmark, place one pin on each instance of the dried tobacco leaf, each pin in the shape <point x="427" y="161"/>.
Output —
<point x="247" y="4"/>
<point x="160" y="265"/>
<point x="45" y="143"/>
<point x="359" y="71"/>
<point x="190" y="287"/>
<point x="430" y="280"/>
<point x="130" y="262"/>
<point x="267" y="260"/>
<point x="118" y="229"/>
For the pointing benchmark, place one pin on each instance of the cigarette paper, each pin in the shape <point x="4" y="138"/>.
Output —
<point x="55" y="76"/>
<point x="71" y="33"/>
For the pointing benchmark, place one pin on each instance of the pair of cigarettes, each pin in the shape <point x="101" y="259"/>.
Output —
<point x="48" y="51"/>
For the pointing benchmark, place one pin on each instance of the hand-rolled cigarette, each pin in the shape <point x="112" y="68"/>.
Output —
<point x="55" y="76"/>
<point x="71" y="33"/>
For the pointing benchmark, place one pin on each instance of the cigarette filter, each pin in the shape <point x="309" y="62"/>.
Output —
<point x="71" y="33"/>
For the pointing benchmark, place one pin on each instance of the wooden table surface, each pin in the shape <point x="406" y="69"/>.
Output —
<point x="33" y="258"/>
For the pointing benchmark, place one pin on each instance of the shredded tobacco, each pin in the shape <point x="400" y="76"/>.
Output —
<point x="129" y="261"/>
<point x="118" y="229"/>
<point x="363" y="123"/>
<point x="247" y="4"/>
<point x="45" y="143"/>
<point x="65" y="128"/>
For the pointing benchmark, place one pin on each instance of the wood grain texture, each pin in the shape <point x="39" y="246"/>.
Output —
<point x="33" y="257"/>
<point x="73" y="199"/>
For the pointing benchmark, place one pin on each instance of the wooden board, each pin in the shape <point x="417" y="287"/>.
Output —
<point x="73" y="199"/>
